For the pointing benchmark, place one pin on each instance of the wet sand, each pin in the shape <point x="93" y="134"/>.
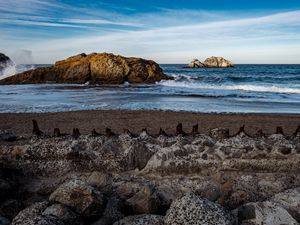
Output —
<point x="135" y="121"/>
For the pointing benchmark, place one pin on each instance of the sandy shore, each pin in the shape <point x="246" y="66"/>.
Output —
<point x="117" y="120"/>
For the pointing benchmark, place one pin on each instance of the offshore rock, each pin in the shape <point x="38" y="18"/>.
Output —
<point x="217" y="62"/>
<point x="212" y="62"/>
<point x="102" y="68"/>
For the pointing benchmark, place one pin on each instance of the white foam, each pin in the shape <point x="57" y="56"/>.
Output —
<point x="12" y="69"/>
<point x="252" y="88"/>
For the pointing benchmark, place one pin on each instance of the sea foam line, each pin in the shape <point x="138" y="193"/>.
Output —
<point x="253" y="88"/>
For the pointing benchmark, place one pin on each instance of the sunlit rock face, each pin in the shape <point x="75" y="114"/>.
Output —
<point x="211" y="62"/>
<point x="102" y="68"/>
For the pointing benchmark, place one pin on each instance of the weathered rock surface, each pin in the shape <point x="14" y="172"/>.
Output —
<point x="267" y="213"/>
<point x="5" y="61"/>
<point x="145" y="219"/>
<point x="80" y="197"/>
<point x="145" y="174"/>
<point x="196" y="64"/>
<point x="289" y="200"/>
<point x="33" y="215"/>
<point x="193" y="210"/>
<point x="67" y="216"/>
<point x="94" y="68"/>
<point x="218" y="62"/>
<point x="212" y="62"/>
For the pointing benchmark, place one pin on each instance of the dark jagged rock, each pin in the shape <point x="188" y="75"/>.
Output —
<point x="242" y="131"/>
<point x="260" y="133"/>
<point x="297" y="131"/>
<point x="76" y="133"/>
<point x="162" y="132"/>
<point x="279" y="130"/>
<point x="36" y="131"/>
<point x="94" y="68"/>
<point x="95" y="133"/>
<point x="145" y="131"/>
<point x="56" y="132"/>
<point x="179" y="129"/>
<point x="126" y="131"/>
<point x="5" y="61"/>
<point x="195" y="129"/>
<point x="109" y="132"/>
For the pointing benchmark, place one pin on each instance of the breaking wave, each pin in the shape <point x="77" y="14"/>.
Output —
<point x="247" y="87"/>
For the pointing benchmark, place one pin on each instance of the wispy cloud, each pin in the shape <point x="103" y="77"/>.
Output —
<point x="166" y="35"/>
<point x="100" y="22"/>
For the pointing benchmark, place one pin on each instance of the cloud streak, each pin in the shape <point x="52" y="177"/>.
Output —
<point x="168" y="36"/>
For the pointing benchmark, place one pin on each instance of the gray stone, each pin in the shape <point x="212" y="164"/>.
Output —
<point x="193" y="210"/>
<point x="145" y="219"/>
<point x="79" y="196"/>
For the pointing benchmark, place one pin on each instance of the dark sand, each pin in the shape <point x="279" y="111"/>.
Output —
<point x="135" y="121"/>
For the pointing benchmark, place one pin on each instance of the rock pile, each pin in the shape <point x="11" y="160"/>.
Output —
<point x="187" y="178"/>
<point x="212" y="62"/>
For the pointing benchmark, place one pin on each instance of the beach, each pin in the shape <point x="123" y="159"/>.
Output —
<point x="136" y="120"/>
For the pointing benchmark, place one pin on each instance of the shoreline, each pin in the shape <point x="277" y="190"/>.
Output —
<point x="152" y="120"/>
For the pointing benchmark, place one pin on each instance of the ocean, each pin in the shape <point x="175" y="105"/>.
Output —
<point x="243" y="89"/>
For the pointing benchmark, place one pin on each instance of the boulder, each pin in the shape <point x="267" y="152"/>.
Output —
<point x="112" y="212"/>
<point x="290" y="200"/>
<point x="195" y="64"/>
<point x="79" y="196"/>
<point x="66" y="215"/>
<point x="145" y="219"/>
<point x="217" y="62"/>
<point x="194" y="210"/>
<point x="5" y="61"/>
<point x="102" y="68"/>
<point x="144" y="201"/>
<point x="267" y="213"/>
<point x="33" y="215"/>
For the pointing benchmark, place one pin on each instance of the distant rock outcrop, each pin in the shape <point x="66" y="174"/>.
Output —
<point x="94" y="68"/>
<point x="212" y="62"/>
<point x="196" y="64"/>
<point x="5" y="61"/>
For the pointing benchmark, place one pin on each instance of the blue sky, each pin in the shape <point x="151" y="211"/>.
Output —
<point x="244" y="31"/>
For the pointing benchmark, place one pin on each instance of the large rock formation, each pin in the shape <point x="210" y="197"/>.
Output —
<point x="212" y="62"/>
<point x="5" y="61"/>
<point x="94" y="68"/>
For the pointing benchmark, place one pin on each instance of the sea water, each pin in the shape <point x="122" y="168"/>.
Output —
<point x="242" y="89"/>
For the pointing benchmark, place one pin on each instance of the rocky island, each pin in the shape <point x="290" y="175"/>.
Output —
<point x="212" y="62"/>
<point x="102" y="68"/>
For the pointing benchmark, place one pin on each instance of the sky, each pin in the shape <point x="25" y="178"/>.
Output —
<point x="173" y="31"/>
